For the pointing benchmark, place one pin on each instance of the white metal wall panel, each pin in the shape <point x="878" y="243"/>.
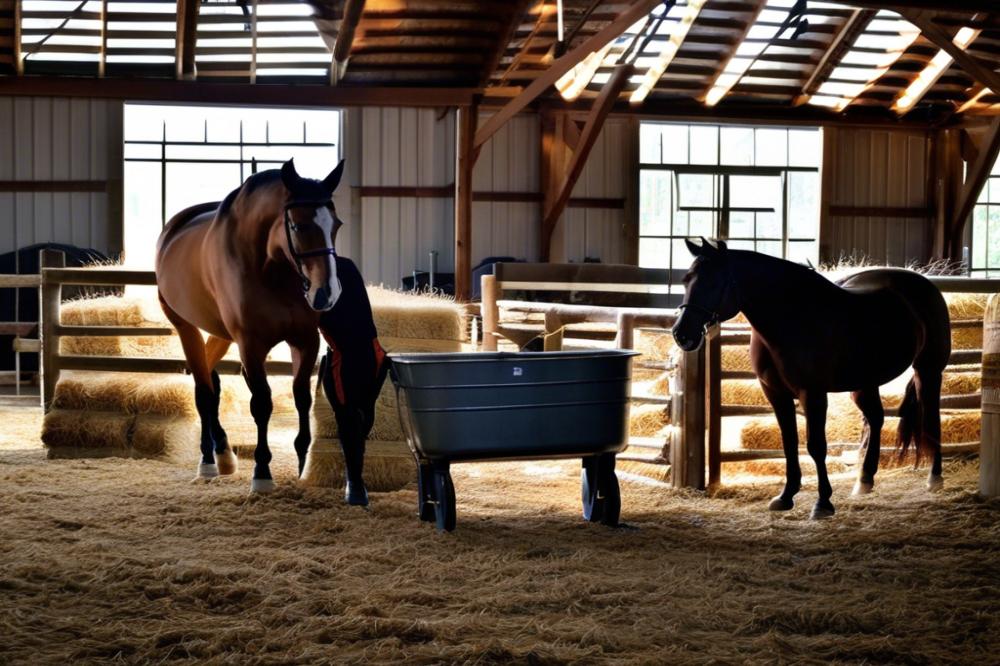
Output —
<point x="509" y="162"/>
<point x="45" y="138"/>
<point x="878" y="168"/>
<point x="408" y="148"/>
<point x="599" y="232"/>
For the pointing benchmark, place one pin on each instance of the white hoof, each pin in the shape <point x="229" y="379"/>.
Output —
<point x="262" y="485"/>
<point x="226" y="462"/>
<point x="861" y="488"/>
<point x="935" y="482"/>
<point x="208" y="471"/>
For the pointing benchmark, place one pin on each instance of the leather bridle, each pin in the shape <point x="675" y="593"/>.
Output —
<point x="290" y="226"/>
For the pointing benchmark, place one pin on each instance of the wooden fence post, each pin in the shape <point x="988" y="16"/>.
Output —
<point x="687" y="458"/>
<point x="490" y="311"/>
<point x="49" y="299"/>
<point x="713" y="407"/>
<point x="989" y="445"/>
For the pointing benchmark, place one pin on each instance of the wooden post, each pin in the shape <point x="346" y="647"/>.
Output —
<point x="989" y="444"/>
<point x="49" y="299"/>
<point x="465" y="159"/>
<point x="490" y="312"/>
<point x="687" y="459"/>
<point x="713" y="407"/>
<point x="626" y="331"/>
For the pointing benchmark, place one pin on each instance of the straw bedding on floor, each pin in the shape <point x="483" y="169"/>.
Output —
<point x="126" y="560"/>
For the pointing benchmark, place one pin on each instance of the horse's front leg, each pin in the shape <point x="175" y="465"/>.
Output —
<point x="815" y="404"/>
<point x="215" y="349"/>
<point x="304" y="353"/>
<point x="870" y="404"/>
<point x="260" y="408"/>
<point x="783" y="402"/>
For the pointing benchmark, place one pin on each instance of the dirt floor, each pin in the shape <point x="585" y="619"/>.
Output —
<point x="129" y="561"/>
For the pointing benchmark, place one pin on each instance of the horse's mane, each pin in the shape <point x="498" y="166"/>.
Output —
<point x="795" y="273"/>
<point x="257" y="180"/>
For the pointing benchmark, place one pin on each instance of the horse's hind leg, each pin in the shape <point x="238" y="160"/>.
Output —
<point x="303" y="359"/>
<point x="870" y="404"/>
<point x="929" y="392"/>
<point x="205" y="398"/>
<point x="215" y="349"/>
<point x="815" y="404"/>
<point x="261" y="407"/>
<point x="783" y="402"/>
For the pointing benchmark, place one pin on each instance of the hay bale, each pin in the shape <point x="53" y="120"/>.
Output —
<point x="647" y="420"/>
<point x="654" y="344"/>
<point x="415" y="316"/>
<point x="169" y="437"/>
<point x="388" y="465"/>
<point x="736" y="359"/>
<point x="967" y="338"/>
<point x="661" y="385"/>
<point x="961" y="383"/>
<point x="957" y="427"/>
<point x="745" y="392"/>
<point x="70" y="433"/>
<point x="116" y="311"/>
<point x="966" y="306"/>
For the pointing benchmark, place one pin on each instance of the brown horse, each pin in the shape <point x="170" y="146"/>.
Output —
<point x="257" y="269"/>
<point x="811" y="337"/>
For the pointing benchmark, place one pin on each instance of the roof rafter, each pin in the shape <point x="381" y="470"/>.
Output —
<point x="669" y="51"/>
<point x="724" y="81"/>
<point x="562" y="65"/>
<point x="187" y="29"/>
<point x="517" y="12"/>
<point x="353" y="9"/>
<point x="942" y="40"/>
<point x="841" y="44"/>
<point x="934" y="70"/>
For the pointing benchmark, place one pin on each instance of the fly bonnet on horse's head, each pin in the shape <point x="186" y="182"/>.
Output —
<point x="311" y="225"/>
<point x="710" y="293"/>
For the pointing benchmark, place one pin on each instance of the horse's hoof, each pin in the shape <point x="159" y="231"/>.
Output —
<point x="781" y="503"/>
<point x="822" y="510"/>
<point x="262" y="486"/>
<point x="226" y="462"/>
<point x="862" y="488"/>
<point x="356" y="496"/>
<point x="935" y="483"/>
<point x="207" y="471"/>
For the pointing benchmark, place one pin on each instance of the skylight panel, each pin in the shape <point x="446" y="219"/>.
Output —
<point x="932" y="72"/>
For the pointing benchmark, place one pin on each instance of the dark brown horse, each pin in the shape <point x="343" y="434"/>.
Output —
<point x="812" y="337"/>
<point x="257" y="269"/>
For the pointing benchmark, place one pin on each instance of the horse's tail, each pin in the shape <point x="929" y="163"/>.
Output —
<point x="911" y="424"/>
<point x="920" y="417"/>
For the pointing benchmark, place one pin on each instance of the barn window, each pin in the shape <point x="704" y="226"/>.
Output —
<point x="755" y="187"/>
<point x="177" y="156"/>
<point x="986" y="228"/>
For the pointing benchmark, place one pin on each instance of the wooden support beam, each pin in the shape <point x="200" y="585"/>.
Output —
<point x="724" y="81"/>
<point x="952" y="7"/>
<point x="187" y="32"/>
<point x="16" y="46"/>
<point x="972" y="66"/>
<point x="353" y="9"/>
<point x="668" y="52"/>
<point x="934" y="70"/>
<point x="841" y="44"/>
<point x="588" y="136"/>
<point x="517" y="10"/>
<point x="103" y="62"/>
<point x="598" y="41"/>
<point x="465" y="159"/>
<point x="253" y="41"/>
<point x="975" y="180"/>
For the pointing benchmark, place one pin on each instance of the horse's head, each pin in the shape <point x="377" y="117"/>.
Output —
<point x="710" y="294"/>
<point x="311" y="225"/>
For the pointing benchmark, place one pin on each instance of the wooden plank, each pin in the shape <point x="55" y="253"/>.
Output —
<point x="8" y="281"/>
<point x="880" y="211"/>
<point x="688" y="459"/>
<point x="113" y="331"/>
<point x="841" y="44"/>
<point x="465" y="159"/>
<point x="187" y="31"/>
<point x="588" y="136"/>
<point x="308" y="95"/>
<point x="49" y="301"/>
<point x="979" y="71"/>
<point x="97" y="276"/>
<point x="159" y="365"/>
<point x="345" y="39"/>
<point x="989" y="454"/>
<point x="713" y="404"/>
<point x="53" y="186"/>
<point x="562" y="65"/>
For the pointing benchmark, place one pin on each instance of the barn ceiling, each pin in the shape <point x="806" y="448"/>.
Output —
<point x="861" y="58"/>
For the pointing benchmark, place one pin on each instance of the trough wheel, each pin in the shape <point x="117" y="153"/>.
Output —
<point x="425" y="492"/>
<point x="444" y="496"/>
<point x="600" y="491"/>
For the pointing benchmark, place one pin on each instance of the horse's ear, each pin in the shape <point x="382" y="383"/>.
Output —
<point x="332" y="180"/>
<point x="695" y="250"/>
<point x="721" y="244"/>
<point x="288" y="174"/>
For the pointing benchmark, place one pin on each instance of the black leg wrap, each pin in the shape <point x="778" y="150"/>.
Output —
<point x="208" y="409"/>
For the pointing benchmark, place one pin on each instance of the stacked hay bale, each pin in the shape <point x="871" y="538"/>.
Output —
<point x="405" y="323"/>
<point x="139" y="414"/>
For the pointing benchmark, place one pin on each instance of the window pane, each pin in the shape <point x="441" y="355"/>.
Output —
<point x="740" y="245"/>
<point x="772" y="248"/>
<point x="189" y="184"/>
<point x="803" y="251"/>
<point x="703" y="224"/>
<point x="805" y="148"/>
<point x="675" y="144"/>
<point x="771" y="147"/>
<point x="142" y="212"/>
<point x="979" y="218"/>
<point x="704" y="145"/>
<point x="737" y="146"/>
<point x="696" y="190"/>
<point x="741" y="225"/>
<point x="760" y="192"/>
<point x="649" y="143"/>
<point x="768" y="225"/>
<point x="654" y="253"/>
<point x="803" y="205"/>
<point x="993" y="195"/>
<point x="655" y="203"/>
<point x="681" y="227"/>
<point x="993" y="258"/>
